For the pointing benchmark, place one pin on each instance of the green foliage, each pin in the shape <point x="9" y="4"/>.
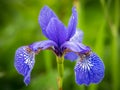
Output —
<point x="100" y="21"/>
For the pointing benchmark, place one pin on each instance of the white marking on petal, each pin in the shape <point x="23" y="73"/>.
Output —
<point x="73" y="17"/>
<point x="28" y="60"/>
<point x="20" y="54"/>
<point x="85" y="64"/>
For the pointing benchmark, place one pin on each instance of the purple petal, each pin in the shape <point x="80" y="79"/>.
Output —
<point x="72" y="24"/>
<point x="83" y="48"/>
<point x="71" y="56"/>
<point x="24" y="62"/>
<point x="44" y="18"/>
<point x="75" y="47"/>
<point x="42" y="45"/>
<point x="89" y="70"/>
<point x="56" y="31"/>
<point x="78" y="36"/>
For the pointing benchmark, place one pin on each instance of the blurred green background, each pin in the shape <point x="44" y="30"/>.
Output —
<point x="100" y="21"/>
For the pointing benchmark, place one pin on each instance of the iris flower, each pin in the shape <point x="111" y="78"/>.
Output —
<point x="63" y="41"/>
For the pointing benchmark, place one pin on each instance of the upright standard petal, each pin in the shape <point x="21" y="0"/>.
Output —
<point x="78" y="36"/>
<point x="42" y="45"/>
<point x="72" y="24"/>
<point x="45" y="16"/>
<point x="56" y="31"/>
<point x="24" y="62"/>
<point x="90" y="69"/>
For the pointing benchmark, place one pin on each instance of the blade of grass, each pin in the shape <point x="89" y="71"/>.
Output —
<point x="115" y="47"/>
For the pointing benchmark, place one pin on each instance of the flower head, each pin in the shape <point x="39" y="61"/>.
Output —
<point x="62" y="41"/>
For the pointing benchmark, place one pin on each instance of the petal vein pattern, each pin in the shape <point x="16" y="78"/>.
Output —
<point x="24" y="62"/>
<point x="90" y="69"/>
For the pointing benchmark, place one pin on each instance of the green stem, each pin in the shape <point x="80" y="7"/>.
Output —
<point x="60" y="67"/>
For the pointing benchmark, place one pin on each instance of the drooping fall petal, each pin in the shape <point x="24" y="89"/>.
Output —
<point x="24" y="62"/>
<point x="89" y="70"/>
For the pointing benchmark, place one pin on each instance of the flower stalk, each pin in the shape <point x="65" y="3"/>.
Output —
<point x="60" y="67"/>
